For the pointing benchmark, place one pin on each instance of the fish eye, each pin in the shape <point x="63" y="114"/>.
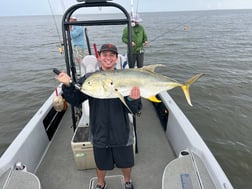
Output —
<point x="111" y="83"/>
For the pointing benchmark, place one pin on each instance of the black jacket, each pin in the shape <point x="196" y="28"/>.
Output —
<point x="109" y="119"/>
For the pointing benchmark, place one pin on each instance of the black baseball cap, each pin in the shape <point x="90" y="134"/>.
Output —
<point x="109" y="47"/>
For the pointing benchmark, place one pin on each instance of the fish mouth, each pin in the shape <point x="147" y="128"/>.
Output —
<point x="82" y="90"/>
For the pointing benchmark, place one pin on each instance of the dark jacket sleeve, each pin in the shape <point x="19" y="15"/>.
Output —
<point x="134" y="105"/>
<point x="72" y="95"/>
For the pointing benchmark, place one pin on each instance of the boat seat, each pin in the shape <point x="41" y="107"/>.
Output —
<point x="88" y="64"/>
<point x="121" y="62"/>
<point x="187" y="171"/>
<point x="84" y="120"/>
<point x="19" y="179"/>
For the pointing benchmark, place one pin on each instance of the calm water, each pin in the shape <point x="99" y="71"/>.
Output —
<point x="218" y="43"/>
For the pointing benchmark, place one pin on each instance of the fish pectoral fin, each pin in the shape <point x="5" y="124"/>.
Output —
<point x="107" y="84"/>
<point x="154" y="99"/>
<point x="120" y="96"/>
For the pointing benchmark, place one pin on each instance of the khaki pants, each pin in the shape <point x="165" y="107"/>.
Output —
<point x="78" y="53"/>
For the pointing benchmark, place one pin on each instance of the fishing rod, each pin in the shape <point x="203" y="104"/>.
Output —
<point x="57" y="72"/>
<point x="133" y="14"/>
<point x="88" y="43"/>
<point x="96" y="51"/>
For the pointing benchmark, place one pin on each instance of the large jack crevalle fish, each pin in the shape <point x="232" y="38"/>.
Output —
<point x="118" y="83"/>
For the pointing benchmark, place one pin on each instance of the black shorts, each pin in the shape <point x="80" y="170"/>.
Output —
<point x="106" y="158"/>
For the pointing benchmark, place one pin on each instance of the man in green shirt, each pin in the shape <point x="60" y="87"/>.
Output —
<point x="139" y="40"/>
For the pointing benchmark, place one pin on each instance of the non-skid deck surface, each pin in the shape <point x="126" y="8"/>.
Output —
<point x="58" y="169"/>
<point x="113" y="182"/>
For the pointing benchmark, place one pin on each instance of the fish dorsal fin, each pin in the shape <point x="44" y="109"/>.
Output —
<point x="152" y="67"/>
<point x="154" y="99"/>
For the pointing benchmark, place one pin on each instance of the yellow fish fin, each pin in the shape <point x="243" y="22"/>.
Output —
<point x="154" y="99"/>
<point x="152" y="67"/>
<point x="187" y="85"/>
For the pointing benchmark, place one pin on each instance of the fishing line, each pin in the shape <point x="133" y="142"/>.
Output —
<point x="63" y="6"/>
<point x="57" y="29"/>
<point x="137" y="5"/>
<point x="132" y="8"/>
<point x="186" y="28"/>
<point x="133" y="13"/>
<point x="45" y="44"/>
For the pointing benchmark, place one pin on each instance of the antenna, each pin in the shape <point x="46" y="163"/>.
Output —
<point x="132" y="8"/>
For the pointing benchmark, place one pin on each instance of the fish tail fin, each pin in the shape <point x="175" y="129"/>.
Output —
<point x="187" y="85"/>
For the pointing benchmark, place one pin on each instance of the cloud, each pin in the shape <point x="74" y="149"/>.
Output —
<point x="42" y="7"/>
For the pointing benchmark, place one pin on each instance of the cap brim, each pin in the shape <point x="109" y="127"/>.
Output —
<point x="109" y="50"/>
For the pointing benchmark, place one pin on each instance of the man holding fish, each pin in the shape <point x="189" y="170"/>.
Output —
<point x="112" y="95"/>
<point x="111" y="132"/>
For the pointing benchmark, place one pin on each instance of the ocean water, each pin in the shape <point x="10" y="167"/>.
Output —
<point x="217" y="43"/>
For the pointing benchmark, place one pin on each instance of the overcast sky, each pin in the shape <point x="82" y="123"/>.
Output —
<point x="42" y="7"/>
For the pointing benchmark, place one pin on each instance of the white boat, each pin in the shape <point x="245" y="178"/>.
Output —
<point x="48" y="154"/>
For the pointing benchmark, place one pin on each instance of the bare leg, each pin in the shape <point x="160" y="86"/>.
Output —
<point x="101" y="176"/>
<point x="126" y="173"/>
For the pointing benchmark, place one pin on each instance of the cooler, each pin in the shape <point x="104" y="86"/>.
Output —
<point x="82" y="149"/>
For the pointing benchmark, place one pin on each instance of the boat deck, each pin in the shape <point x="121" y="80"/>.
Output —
<point x="58" y="169"/>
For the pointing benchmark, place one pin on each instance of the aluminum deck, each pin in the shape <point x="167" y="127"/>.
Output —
<point x="58" y="169"/>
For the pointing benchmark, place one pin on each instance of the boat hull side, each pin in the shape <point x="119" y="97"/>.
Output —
<point x="31" y="143"/>
<point x="183" y="137"/>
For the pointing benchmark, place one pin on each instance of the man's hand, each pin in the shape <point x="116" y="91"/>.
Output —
<point x="135" y="93"/>
<point x="146" y="43"/>
<point x="64" y="78"/>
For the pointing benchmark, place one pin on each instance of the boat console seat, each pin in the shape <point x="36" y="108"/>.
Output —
<point x="19" y="179"/>
<point x="186" y="171"/>
<point x="88" y="64"/>
<point x="121" y="62"/>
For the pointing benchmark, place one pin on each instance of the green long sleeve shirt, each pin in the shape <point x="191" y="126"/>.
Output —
<point x="138" y="36"/>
